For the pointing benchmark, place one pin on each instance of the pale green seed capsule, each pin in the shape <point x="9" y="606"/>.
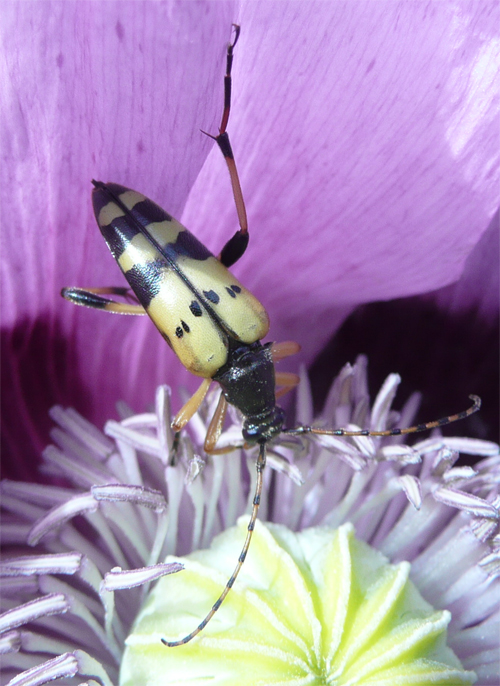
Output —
<point x="315" y="607"/>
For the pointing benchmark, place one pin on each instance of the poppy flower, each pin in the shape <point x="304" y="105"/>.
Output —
<point x="381" y="565"/>
<point x="365" y="141"/>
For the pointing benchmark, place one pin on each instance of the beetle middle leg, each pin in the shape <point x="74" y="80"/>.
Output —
<point x="287" y="380"/>
<point x="92" y="297"/>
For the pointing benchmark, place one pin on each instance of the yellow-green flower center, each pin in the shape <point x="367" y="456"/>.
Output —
<point x="315" y="607"/>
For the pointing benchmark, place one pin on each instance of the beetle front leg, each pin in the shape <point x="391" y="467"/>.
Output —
<point x="215" y="429"/>
<point x="192" y="406"/>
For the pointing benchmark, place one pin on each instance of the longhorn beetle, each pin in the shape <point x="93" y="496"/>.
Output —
<point x="209" y="319"/>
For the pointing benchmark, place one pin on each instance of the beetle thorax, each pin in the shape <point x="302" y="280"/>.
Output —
<point x="248" y="383"/>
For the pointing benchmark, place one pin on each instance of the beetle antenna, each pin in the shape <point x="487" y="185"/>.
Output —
<point x="261" y="463"/>
<point x="390" y="432"/>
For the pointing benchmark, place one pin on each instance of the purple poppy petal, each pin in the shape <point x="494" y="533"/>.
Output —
<point x="366" y="141"/>
<point x="102" y="90"/>
<point x="478" y="290"/>
<point x="368" y="166"/>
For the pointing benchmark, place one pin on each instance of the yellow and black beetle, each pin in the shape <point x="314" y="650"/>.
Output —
<point x="210" y="320"/>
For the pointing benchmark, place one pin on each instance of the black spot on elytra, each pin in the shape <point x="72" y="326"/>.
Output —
<point x="231" y="293"/>
<point x="236" y="288"/>
<point x="185" y="326"/>
<point x="195" y="308"/>
<point x="179" y="332"/>
<point x="212" y="296"/>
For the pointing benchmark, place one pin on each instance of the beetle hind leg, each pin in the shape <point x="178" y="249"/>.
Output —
<point x="237" y="244"/>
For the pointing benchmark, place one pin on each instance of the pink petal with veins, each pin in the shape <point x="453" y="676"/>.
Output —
<point x="365" y="138"/>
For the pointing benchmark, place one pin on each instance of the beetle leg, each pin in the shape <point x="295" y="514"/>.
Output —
<point x="281" y="350"/>
<point x="287" y="380"/>
<point x="192" y="405"/>
<point x="215" y="428"/>
<point x="236" y="246"/>
<point x="228" y="449"/>
<point x="92" y="297"/>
